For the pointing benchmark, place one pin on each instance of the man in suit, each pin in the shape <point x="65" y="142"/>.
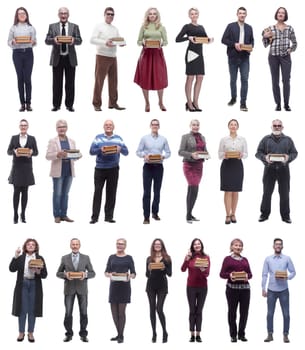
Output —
<point x="75" y="286"/>
<point x="236" y="34"/>
<point x="63" y="58"/>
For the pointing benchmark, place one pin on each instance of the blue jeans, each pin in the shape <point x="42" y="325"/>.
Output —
<point x="61" y="188"/>
<point x="23" y="60"/>
<point x="244" y="66"/>
<point x="27" y="306"/>
<point x="83" y="317"/>
<point x="272" y="297"/>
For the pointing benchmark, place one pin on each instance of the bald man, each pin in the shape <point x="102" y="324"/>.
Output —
<point x="276" y="151"/>
<point x="107" y="148"/>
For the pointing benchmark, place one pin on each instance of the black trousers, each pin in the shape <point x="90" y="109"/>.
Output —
<point x="196" y="298"/>
<point x="237" y="297"/>
<point x="63" y="68"/>
<point x="156" y="300"/>
<point x="83" y="317"/>
<point x="110" y="177"/>
<point x="281" y="175"/>
<point x="23" y="60"/>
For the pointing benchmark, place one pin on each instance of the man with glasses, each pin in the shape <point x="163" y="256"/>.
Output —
<point x="63" y="58"/>
<point x="276" y="151"/>
<point x="279" y="268"/>
<point x="106" y="62"/>
<point x="154" y="149"/>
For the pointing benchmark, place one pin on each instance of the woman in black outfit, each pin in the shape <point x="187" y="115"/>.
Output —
<point x="156" y="286"/>
<point x="193" y="59"/>
<point x="21" y="175"/>
<point x="120" y="291"/>
<point x="28" y="295"/>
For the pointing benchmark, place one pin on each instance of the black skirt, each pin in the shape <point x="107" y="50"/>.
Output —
<point x="231" y="175"/>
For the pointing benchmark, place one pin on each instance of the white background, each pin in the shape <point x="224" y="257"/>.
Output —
<point x="99" y="240"/>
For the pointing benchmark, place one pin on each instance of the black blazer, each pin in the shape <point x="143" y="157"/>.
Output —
<point x="22" y="168"/>
<point x="55" y="30"/>
<point x="231" y="36"/>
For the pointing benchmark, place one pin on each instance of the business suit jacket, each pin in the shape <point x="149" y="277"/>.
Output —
<point x="188" y="146"/>
<point x="22" y="168"/>
<point x="231" y="36"/>
<point x="18" y="265"/>
<point x="53" y="148"/>
<point x="75" y="286"/>
<point x="55" y="30"/>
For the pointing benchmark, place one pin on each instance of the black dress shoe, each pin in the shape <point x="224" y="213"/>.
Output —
<point x="84" y="339"/>
<point x="67" y="338"/>
<point x="22" y="108"/>
<point x="192" y="339"/>
<point x="233" y="340"/>
<point x="120" y="339"/>
<point x="287" y="108"/>
<point x="287" y="220"/>
<point x="278" y="108"/>
<point x="93" y="221"/>
<point x="154" y="338"/>
<point x="242" y="338"/>
<point x="243" y="107"/>
<point x="114" y="338"/>
<point x="116" y="106"/>
<point x="194" y="219"/>
<point x="70" y="109"/>
<point x="112" y="221"/>
<point x="97" y="109"/>
<point x="232" y="102"/>
<point x="146" y="221"/>
<point x="54" y="109"/>
<point x="165" y="337"/>
<point x="15" y="219"/>
<point x="262" y="218"/>
<point x="28" y="107"/>
<point x="198" y="339"/>
<point x="156" y="217"/>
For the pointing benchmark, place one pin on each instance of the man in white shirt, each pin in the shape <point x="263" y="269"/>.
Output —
<point x="106" y="62"/>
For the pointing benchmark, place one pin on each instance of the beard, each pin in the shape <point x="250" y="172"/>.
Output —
<point x="276" y="132"/>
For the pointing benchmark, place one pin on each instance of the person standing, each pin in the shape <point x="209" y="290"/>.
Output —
<point x="76" y="285"/>
<point x="23" y="57"/>
<point x="232" y="149"/>
<point x="276" y="169"/>
<point x="236" y="270"/>
<point x="276" y="267"/>
<point x="151" y="71"/>
<point x="62" y="170"/>
<point x="191" y="146"/>
<point x="152" y="145"/>
<point x="120" y="269"/>
<point x="279" y="37"/>
<point x="21" y="175"/>
<point x="236" y="34"/>
<point x="63" y="58"/>
<point x="193" y="59"/>
<point x="197" y="285"/>
<point x="106" y="170"/>
<point x="28" y="295"/>
<point x="157" y="286"/>
<point x="106" y="61"/>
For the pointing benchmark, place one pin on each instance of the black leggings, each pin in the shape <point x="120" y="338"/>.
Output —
<point x="196" y="298"/>
<point x="119" y="317"/>
<point x="156" y="301"/>
<point x="23" y="191"/>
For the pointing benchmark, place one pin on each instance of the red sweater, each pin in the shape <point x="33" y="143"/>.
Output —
<point x="196" y="277"/>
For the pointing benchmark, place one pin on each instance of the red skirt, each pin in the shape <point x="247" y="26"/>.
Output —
<point x="193" y="172"/>
<point x="151" y="72"/>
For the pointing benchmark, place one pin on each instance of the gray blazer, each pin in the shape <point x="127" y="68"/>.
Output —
<point x="188" y="146"/>
<point x="75" y="286"/>
<point x="55" y="30"/>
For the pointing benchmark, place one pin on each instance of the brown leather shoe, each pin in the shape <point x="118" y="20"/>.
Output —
<point x="116" y="106"/>
<point x="66" y="218"/>
<point x="286" y="339"/>
<point x="57" y="220"/>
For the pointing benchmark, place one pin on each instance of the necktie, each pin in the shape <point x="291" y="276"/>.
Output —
<point x="74" y="262"/>
<point x="63" y="33"/>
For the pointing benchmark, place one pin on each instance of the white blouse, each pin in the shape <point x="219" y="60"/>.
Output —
<point x="229" y="143"/>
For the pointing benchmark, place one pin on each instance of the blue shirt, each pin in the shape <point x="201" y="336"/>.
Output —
<point x="107" y="161"/>
<point x="153" y="144"/>
<point x="65" y="163"/>
<point x="277" y="263"/>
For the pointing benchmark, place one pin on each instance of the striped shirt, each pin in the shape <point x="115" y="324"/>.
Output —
<point x="21" y="29"/>
<point x="281" y="40"/>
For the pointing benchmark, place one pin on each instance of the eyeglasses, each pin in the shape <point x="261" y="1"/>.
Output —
<point x="277" y="126"/>
<point x="110" y="14"/>
<point x="23" y="125"/>
<point x="61" y="126"/>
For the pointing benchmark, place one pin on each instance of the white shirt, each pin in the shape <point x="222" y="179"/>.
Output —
<point x="101" y="34"/>
<point x="23" y="140"/>
<point x="28" y="273"/>
<point x="241" y="33"/>
<point x="67" y="31"/>
<point x="229" y="143"/>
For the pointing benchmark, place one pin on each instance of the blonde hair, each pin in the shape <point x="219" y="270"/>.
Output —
<point x="146" y="20"/>
<point x="194" y="121"/>
<point x="61" y="121"/>
<point x="193" y="9"/>
<point x="236" y="240"/>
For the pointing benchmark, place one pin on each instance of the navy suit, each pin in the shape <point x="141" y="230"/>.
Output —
<point x="238" y="60"/>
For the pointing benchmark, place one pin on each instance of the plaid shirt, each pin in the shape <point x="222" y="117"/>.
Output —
<point x="281" y="41"/>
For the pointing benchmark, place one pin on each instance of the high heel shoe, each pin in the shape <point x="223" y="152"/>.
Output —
<point x="22" y="216"/>
<point x="197" y="109"/>
<point x="154" y="338"/>
<point x="165" y="337"/>
<point x="163" y="109"/>
<point x="187" y="108"/>
<point x="147" y="107"/>
<point x="233" y="219"/>
<point x="228" y="220"/>
<point x="20" y="337"/>
<point x="16" y="219"/>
